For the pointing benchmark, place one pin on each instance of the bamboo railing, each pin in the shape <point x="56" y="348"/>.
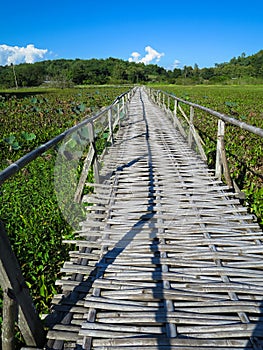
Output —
<point x="163" y="99"/>
<point x="17" y="302"/>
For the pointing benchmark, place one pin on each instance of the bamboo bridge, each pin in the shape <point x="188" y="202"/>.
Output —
<point x="167" y="258"/>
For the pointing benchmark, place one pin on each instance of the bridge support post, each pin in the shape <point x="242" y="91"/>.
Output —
<point x="110" y="125"/>
<point x="10" y="313"/>
<point x="124" y="106"/>
<point x="168" y="103"/>
<point x="159" y="98"/>
<point x="191" y="125"/>
<point x="119" y="115"/>
<point x="221" y="159"/>
<point x="95" y="159"/>
<point x="220" y="136"/>
<point x="17" y="300"/>
<point x="177" y="123"/>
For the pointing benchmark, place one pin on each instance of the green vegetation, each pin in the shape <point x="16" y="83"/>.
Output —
<point x="29" y="207"/>
<point x="244" y="149"/>
<point x="65" y="73"/>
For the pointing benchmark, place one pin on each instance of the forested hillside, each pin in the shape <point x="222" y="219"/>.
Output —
<point x="63" y="73"/>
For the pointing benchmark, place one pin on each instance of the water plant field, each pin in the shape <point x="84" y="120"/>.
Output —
<point x="244" y="149"/>
<point x="29" y="208"/>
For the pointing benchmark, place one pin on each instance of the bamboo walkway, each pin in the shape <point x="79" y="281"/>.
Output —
<point x="167" y="258"/>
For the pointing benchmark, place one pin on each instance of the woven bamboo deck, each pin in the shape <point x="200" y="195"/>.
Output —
<point x="167" y="258"/>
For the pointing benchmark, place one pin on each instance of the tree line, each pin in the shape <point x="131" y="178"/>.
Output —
<point x="66" y="72"/>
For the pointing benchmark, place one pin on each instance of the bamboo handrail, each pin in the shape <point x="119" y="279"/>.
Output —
<point x="29" y="157"/>
<point x="255" y="130"/>
<point x="221" y="159"/>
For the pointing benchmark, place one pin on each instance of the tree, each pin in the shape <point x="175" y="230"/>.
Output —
<point x="187" y="71"/>
<point x="207" y="73"/>
<point x="136" y="73"/>
<point x="29" y="74"/>
<point x="196" y="71"/>
<point x="119" y="73"/>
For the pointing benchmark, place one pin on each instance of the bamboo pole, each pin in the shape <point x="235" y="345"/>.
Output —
<point x="82" y="180"/>
<point x="95" y="157"/>
<point x="176" y="120"/>
<point x="191" y="125"/>
<point x="219" y="146"/>
<point x="119" y="115"/>
<point x="13" y="283"/>
<point x="168" y="103"/>
<point x="255" y="130"/>
<point x="225" y="165"/>
<point x="10" y="314"/>
<point x="110" y="126"/>
<point x="29" y="157"/>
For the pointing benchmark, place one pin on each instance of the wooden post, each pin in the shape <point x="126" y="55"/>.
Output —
<point x="119" y="114"/>
<point x="219" y="147"/>
<point x="84" y="174"/>
<point x="110" y="125"/>
<point x="177" y="121"/>
<point x="168" y="102"/>
<point x="191" y="124"/>
<point x="175" y="112"/>
<point x="225" y="166"/>
<point x="123" y="104"/>
<point x="95" y="159"/>
<point x="14" y="286"/>
<point x="155" y="95"/>
<point x="10" y="314"/>
<point x="221" y="159"/>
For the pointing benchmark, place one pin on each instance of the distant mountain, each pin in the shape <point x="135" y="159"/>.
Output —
<point x="242" y="66"/>
<point x="63" y="73"/>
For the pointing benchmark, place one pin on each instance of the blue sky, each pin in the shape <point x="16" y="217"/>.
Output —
<point x="181" y="32"/>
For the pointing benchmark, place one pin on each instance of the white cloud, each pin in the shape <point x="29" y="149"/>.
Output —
<point x="152" y="56"/>
<point x="135" y="57"/>
<point x="176" y="64"/>
<point x="16" y="55"/>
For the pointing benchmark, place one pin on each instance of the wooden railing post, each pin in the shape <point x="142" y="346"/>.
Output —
<point x="14" y="287"/>
<point x="219" y="146"/>
<point x="159" y="98"/>
<point x="10" y="314"/>
<point x="110" y="126"/>
<point x="221" y="159"/>
<point x="176" y="120"/>
<point x="191" y="124"/>
<point x="123" y="104"/>
<point x="119" y="115"/>
<point x="95" y="157"/>
<point x="175" y="112"/>
<point x="155" y="96"/>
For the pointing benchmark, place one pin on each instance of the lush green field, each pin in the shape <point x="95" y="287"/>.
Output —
<point x="29" y="207"/>
<point x="244" y="149"/>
